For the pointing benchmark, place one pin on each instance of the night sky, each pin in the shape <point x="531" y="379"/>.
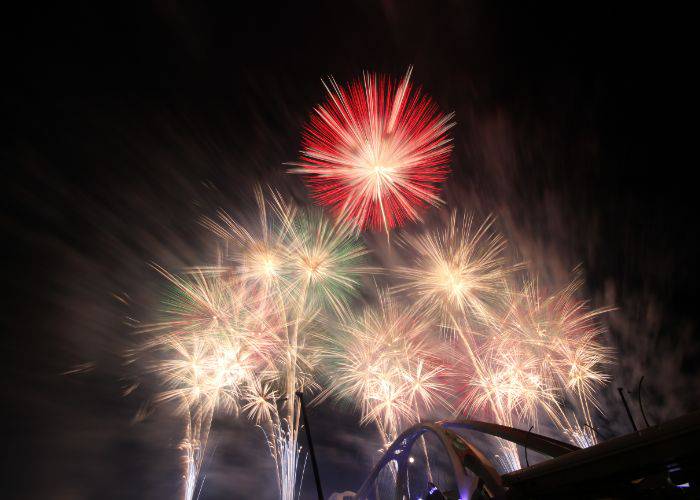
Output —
<point x="125" y="125"/>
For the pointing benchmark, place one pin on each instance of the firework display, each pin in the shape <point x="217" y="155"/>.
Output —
<point x="387" y="362"/>
<point x="292" y="303"/>
<point x="376" y="151"/>
<point x="523" y="354"/>
<point x="235" y="337"/>
<point x="457" y="271"/>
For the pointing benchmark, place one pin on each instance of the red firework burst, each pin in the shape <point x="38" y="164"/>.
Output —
<point x="376" y="151"/>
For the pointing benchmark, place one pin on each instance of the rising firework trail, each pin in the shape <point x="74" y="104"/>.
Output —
<point x="376" y="151"/>
<point x="525" y="354"/>
<point x="249" y="321"/>
<point x="543" y="359"/>
<point x="565" y="335"/>
<point x="207" y="350"/>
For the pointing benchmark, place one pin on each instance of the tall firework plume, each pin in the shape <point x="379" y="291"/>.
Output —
<point x="524" y="355"/>
<point x="237" y="337"/>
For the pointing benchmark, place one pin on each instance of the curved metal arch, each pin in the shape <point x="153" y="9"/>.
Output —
<point x="536" y="442"/>
<point x="460" y="453"/>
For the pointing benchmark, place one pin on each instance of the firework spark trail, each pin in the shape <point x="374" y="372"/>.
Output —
<point x="222" y="365"/>
<point x="284" y="271"/>
<point x="205" y="354"/>
<point x="564" y="335"/>
<point x="525" y="352"/>
<point x="193" y="445"/>
<point x="544" y="350"/>
<point x="457" y="270"/>
<point x="376" y="151"/>
<point x="261" y="407"/>
<point x="387" y="362"/>
<point x="239" y="337"/>
<point x="458" y="276"/>
<point x="458" y="273"/>
<point x="505" y="384"/>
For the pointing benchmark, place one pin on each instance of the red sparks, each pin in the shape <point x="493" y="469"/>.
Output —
<point x="376" y="151"/>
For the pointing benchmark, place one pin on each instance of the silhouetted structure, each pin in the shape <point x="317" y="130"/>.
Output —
<point x="657" y="462"/>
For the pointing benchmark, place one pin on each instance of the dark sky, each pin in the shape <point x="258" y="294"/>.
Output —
<point x="128" y="123"/>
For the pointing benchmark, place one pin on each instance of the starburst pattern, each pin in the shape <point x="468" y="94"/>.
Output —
<point x="376" y="151"/>
<point x="388" y="363"/>
<point x="459" y="269"/>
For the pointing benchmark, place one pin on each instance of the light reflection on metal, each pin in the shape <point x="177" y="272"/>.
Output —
<point x="470" y="467"/>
